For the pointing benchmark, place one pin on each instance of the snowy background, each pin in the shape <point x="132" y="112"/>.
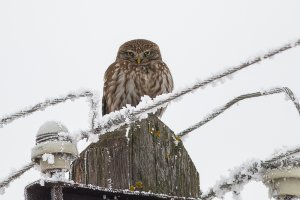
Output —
<point x="49" y="48"/>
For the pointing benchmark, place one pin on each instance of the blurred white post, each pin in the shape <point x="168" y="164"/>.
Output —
<point x="54" y="150"/>
<point x="283" y="183"/>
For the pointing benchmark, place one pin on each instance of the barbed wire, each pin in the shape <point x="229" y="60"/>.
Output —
<point x="43" y="105"/>
<point x="217" y="112"/>
<point x="14" y="175"/>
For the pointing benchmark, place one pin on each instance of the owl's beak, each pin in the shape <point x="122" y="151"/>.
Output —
<point x="138" y="60"/>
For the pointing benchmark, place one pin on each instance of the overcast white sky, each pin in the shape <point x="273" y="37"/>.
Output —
<point x="48" y="48"/>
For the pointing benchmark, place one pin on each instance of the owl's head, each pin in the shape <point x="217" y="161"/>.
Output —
<point x="139" y="51"/>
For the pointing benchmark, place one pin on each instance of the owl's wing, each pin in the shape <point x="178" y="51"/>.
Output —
<point x="104" y="108"/>
<point x="106" y="81"/>
<point x="110" y="84"/>
<point x="167" y="83"/>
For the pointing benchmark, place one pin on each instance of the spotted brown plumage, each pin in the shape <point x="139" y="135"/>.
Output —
<point x="137" y="71"/>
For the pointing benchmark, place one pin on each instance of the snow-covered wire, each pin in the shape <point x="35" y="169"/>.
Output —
<point x="284" y="154"/>
<point x="41" y="106"/>
<point x="94" y="113"/>
<point x="289" y="94"/>
<point x="236" y="180"/>
<point x="240" y="176"/>
<point x="14" y="175"/>
<point x="94" y="102"/>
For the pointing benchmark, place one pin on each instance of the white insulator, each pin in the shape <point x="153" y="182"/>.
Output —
<point x="283" y="182"/>
<point x="54" y="150"/>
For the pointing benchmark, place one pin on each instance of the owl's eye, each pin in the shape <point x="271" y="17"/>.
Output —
<point x="147" y="53"/>
<point x="130" y="54"/>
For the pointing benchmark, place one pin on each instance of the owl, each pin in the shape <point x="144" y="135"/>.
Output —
<point x="137" y="71"/>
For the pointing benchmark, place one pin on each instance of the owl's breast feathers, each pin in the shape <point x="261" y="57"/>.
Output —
<point x="125" y="83"/>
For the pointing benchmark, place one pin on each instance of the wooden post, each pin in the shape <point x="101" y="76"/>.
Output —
<point x="146" y="156"/>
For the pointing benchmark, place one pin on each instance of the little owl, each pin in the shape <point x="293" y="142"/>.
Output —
<point x="137" y="71"/>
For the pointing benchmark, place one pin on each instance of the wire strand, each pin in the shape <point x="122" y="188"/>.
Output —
<point x="219" y="111"/>
<point x="5" y="182"/>
<point x="41" y="106"/>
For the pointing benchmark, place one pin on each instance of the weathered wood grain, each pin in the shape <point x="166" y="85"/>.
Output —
<point x="146" y="156"/>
